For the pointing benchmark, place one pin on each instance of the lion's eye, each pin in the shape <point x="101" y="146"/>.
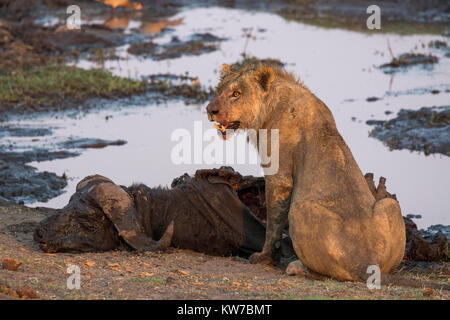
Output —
<point x="236" y="94"/>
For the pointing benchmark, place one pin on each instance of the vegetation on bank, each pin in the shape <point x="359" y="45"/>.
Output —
<point x="358" y="23"/>
<point x="59" y="86"/>
<point x="53" y="85"/>
<point x="251" y="61"/>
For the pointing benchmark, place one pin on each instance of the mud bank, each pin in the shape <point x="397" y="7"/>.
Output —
<point x="27" y="44"/>
<point x="426" y="245"/>
<point x="23" y="183"/>
<point x="399" y="17"/>
<point x="197" y="44"/>
<point x="426" y="130"/>
<point x="33" y="74"/>
<point x="42" y="81"/>
<point x="406" y="60"/>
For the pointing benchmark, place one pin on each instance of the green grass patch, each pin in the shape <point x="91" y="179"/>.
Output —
<point x="253" y="61"/>
<point x="54" y="85"/>
<point x="289" y="296"/>
<point x="317" y="297"/>
<point x="155" y="280"/>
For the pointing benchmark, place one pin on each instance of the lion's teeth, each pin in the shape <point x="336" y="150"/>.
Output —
<point x="220" y="127"/>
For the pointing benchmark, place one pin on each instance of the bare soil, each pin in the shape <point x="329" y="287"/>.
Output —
<point x="175" y="274"/>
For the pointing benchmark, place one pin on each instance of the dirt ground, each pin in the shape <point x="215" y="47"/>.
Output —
<point x="175" y="274"/>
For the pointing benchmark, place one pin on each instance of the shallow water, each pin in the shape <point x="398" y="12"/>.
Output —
<point x="339" y="66"/>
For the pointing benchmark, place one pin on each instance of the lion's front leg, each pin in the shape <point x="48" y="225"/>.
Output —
<point x="278" y="194"/>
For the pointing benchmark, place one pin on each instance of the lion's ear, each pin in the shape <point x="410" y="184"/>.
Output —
<point x="226" y="69"/>
<point x="265" y="76"/>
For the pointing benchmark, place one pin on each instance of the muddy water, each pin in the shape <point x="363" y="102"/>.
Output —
<point x="338" y="66"/>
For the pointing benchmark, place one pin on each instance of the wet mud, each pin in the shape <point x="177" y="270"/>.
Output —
<point x="406" y="60"/>
<point x="399" y="17"/>
<point x="423" y="245"/>
<point x="197" y="44"/>
<point x="426" y="130"/>
<point x="25" y="45"/>
<point x="23" y="183"/>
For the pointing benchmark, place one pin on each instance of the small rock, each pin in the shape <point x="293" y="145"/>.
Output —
<point x="170" y="280"/>
<point x="113" y="265"/>
<point x="6" y="290"/>
<point x="185" y="273"/>
<point x="26" y="293"/>
<point x="408" y="59"/>
<point x="428" y="292"/>
<point x="89" y="263"/>
<point x="146" y="274"/>
<point x="437" y="44"/>
<point x="11" y="264"/>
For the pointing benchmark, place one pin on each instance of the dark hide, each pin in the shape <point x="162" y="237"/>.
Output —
<point x="212" y="212"/>
<point x="202" y="213"/>
<point x="419" y="249"/>
<point x="79" y="227"/>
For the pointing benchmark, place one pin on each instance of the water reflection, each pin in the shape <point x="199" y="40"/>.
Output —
<point x="148" y="25"/>
<point x="155" y="27"/>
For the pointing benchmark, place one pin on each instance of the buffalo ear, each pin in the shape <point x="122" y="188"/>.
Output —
<point x="226" y="69"/>
<point x="264" y="76"/>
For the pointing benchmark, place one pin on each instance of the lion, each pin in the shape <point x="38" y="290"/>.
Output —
<point x="337" y="227"/>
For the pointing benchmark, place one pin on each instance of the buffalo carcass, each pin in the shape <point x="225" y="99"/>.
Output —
<point x="204" y="213"/>
<point x="217" y="212"/>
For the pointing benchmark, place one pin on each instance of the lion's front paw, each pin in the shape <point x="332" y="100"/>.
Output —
<point x="262" y="258"/>
<point x="296" y="268"/>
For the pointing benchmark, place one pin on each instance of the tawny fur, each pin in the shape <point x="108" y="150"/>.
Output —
<point x="337" y="226"/>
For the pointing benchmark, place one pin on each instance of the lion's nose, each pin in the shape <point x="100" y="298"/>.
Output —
<point x="212" y="109"/>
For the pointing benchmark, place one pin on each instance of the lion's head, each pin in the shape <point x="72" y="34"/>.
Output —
<point x="239" y="98"/>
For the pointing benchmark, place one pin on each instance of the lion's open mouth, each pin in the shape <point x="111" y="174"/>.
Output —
<point x="223" y="127"/>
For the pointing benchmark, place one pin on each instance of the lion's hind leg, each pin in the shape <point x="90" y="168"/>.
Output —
<point x="390" y="227"/>
<point x="321" y="240"/>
